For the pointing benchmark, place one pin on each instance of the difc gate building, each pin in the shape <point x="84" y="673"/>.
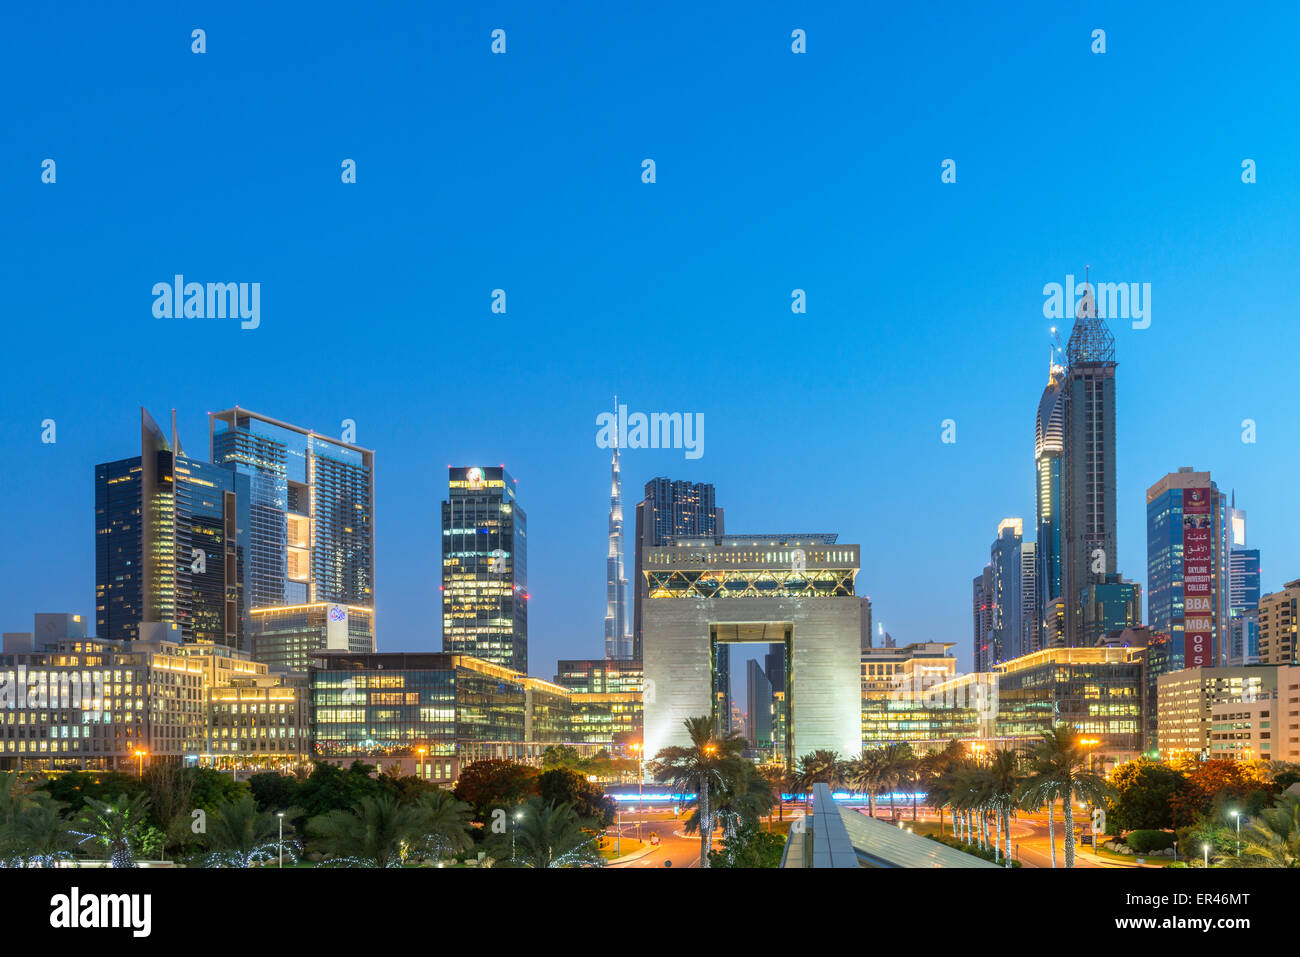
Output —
<point x="797" y="591"/>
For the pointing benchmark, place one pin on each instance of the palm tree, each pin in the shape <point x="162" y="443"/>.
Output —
<point x="118" y="824"/>
<point x="867" y="773"/>
<point x="376" y="833"/>
<point x="1005" y="780"/>
<point x="744" y="800"/>
<point x="898" y="764"/>
<point x="38" y="834"/>
<point x="1058" y="769"/>
<point x="239" y="834"/>
<point x="446" y="823"/>
<point x="778" y="780"/>
<point x="552" y="835"/>
<point x="704" y="767"/>
<point x="821" y="766"/>
<point x="1272" y="838"/>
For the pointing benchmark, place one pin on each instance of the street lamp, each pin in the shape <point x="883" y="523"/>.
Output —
<point x="279" y="845"/>
<point x="1237" y="817"/>
<point x="419" y="773"/>
<point x="1206" y="849"/>
<point x="513" y="825"/>
<point x="140" y="756"/>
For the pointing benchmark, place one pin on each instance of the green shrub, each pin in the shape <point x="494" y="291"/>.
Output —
<point x="1146" y="841"/>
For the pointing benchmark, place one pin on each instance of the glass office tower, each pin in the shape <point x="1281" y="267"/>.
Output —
<point x="670" y="511"/>
<point x="312" y="510"/>
<point x="1049" y="457"/>
<point x="1089" y="540"/>
<point x="485" y="567"/>
<point x="171" y="543"/>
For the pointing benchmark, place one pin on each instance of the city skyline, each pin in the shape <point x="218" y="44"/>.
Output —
<point x="938" y="316"/>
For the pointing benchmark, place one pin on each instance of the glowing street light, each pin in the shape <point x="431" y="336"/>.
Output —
<point x="279" y="846"/>
<point x="140" y="755"/>
<point x="1237" y="817"/>
<point x="1206" y="848"/>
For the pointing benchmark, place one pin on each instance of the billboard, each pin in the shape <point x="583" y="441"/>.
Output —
<point x="1198" y="583"/>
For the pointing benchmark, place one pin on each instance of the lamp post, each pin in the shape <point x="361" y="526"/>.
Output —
<point x="419" y="772"/>
<point x="1237" y="817"/>
<point x="1206" y="849"/>
<point x="514" y="823"/>
<point x="279" y="844"/>
<point x="140" y="756"/>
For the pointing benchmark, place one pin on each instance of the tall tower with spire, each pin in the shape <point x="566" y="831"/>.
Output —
<point x="1089" y="539"/>
<point x="618" y="633"/>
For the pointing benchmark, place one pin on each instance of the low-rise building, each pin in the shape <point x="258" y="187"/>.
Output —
<point x="1186" y="698"/>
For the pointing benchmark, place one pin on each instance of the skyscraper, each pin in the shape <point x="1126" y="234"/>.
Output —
<point x="312" y="509"/>
<point x="484" y="567"/>
<point x="1088" y="532"/>
<point x="982" y="614"/>
<point x="1049" y="465"/>
<point x="1006" y="561"/>
<point x="1243" y="592"/>
<point x="1187" y="569"/>
<point x="171" y="543"/>
<point x="1030" y="624"/>
<point x="618" y="632"/>
<point x="669" y="511"/>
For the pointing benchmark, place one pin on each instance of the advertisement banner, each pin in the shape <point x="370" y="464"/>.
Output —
<point x="1198" y="560"/>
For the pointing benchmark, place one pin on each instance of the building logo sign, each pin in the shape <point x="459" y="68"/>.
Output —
<point x="474" y="478"/>
<point x="337" y="613"/>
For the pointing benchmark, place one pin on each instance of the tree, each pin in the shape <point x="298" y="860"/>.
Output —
<point x="485" y="785"/>
<point x="1218" y="782"/>
<point x="239" y="834"/>
<point x="548" y="835"/>
<point x="331" y="788"/>
<point x="867" y="773"/>
<point x="274" y="791"/>
<point x="560" y="756"/>
<point x="37" y="835"/>
<point x="1004" y="783"/>
<point x="377" y="833"/>
<point x="706" y="767"/>
<point x="562" y="785"/>
<point x="1144" y="792"/>
<point x="749" y="846"/>
<point x="446" y="823"/>
<point x="121" y="826"/>
<point x="778" y="781"/>
<point x="1272" y="838"/>
<point x="818" y="767"/>
<point x="72" y="789"/>
<point x="1058" y="769"/>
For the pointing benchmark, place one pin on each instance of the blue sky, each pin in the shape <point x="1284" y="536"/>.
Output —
<point x="775" y="171"/>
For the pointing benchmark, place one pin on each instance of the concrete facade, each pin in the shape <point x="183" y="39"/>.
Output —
<point x="825" y="639"/>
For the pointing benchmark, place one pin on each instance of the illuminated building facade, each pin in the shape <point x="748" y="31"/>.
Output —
<point x="618" y="627"/>
<point x="703" y="595"/>
<point x="1088" y="538"/>
<point x="429" y="713"/>
<point x="310" y="514"/>
<point x="104" y="705"/>
<point x="599" y="676"/>
<point x="670" y="510"/>
<point x="1279" y="618"/>
<point x="288" y="638"/>
<point x="484" y="568"/>
<point x="610" y="721"/>
<point x="1185" y="701"/>
<point x="171" y="543"/>
<point x="1049" y="466"/>
<point x="894" y="683"/>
